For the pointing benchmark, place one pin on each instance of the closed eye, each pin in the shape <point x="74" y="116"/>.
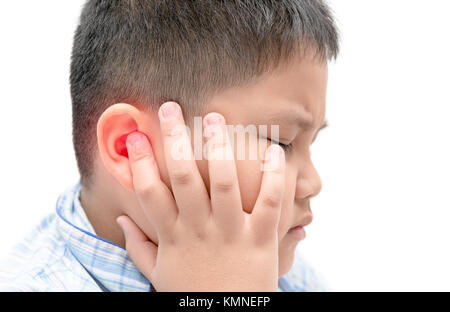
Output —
<point x="286" y="147"/>
<point x="325" y="125"/>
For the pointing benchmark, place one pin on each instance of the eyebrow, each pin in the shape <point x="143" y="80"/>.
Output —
<point x="302" y="120"/>
<point x="324" y="125"/>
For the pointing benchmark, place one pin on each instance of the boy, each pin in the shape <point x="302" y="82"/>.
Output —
<point x="243" y="62"/>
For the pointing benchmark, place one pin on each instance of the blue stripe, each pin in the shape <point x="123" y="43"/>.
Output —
<point x="63" y="254"/>
<point x="86" y="232"/>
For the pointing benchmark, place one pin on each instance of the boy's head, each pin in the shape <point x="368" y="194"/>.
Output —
<point x="257" y="62"/>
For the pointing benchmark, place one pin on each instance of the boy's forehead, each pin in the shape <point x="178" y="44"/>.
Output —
<point x="293" y="94"/>
<point x="306" y="115"/>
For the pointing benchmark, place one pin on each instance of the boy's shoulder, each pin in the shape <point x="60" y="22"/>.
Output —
<point x="42" y="261"/>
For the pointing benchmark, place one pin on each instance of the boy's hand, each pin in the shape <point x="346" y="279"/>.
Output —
<point x="205" y="244"/>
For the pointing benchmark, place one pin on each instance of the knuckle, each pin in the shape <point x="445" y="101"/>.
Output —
<point x="173" y="131"/>
<point x="198" y="235"/>
<point x="146" y="190"/>
<point x="142" y="155"/>
<point x="279" y="170"/>
<point x="218" y="145"/>
<point x="166" y="131"/>
<point x="274" y="169"/>
<point x="272" y="200"/>
<point x="219" y="151"/>
<point x="182" y="178"/>
<point x="223" y="186"/>
<point x="195" y="232"/>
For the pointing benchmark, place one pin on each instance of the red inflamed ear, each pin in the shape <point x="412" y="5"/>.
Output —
<point x="121" y="145"/>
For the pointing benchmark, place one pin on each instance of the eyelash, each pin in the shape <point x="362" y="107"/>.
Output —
<point x="286" y="147"/>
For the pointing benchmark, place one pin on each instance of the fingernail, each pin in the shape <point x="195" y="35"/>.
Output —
<point x="277" y="153"/>
<point x="272" y="151"/>
<point x="274" y="158"/>
<point x="169" y="109"/>
<point x="137" y="142"/>
<point x="214" y="120"/>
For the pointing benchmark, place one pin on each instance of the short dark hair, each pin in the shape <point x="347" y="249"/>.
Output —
<point x="146" y="52"/>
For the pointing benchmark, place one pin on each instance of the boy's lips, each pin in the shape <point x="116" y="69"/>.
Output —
<point x="298" y="230"/>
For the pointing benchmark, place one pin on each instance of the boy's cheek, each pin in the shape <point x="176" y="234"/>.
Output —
<point x="249" y="177"/>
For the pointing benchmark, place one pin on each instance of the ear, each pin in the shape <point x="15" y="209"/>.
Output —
<point x="113" y="127"/>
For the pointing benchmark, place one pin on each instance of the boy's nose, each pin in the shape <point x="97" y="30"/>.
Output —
<point x="308" y="185"/>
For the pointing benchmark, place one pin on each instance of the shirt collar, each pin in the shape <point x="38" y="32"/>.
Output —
<point x="106" y="262"/>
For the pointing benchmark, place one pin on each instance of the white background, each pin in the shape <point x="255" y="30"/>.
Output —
<point x="381" y="221"/>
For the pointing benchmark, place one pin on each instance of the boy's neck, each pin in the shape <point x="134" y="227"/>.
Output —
<point x="102" y="207"/>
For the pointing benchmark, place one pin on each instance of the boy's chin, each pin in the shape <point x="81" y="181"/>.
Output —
<point x="285" y="261"/>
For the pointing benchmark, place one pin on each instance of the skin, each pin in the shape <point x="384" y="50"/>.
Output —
<point x="295" y="89"/>
<point x="206" y="243"/>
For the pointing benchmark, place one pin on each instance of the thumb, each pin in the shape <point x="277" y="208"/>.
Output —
<point x="139" y="248"/>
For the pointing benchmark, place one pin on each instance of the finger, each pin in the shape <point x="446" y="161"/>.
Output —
<point x="139" y="248"/>
<point x="187" y="184"/>
<point x="225" y="195"/>
<point x="266" y="212"/>
<point x="153" y="195"/>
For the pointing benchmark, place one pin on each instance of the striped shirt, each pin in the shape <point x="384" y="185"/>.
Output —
<point x="63" y="253"/>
